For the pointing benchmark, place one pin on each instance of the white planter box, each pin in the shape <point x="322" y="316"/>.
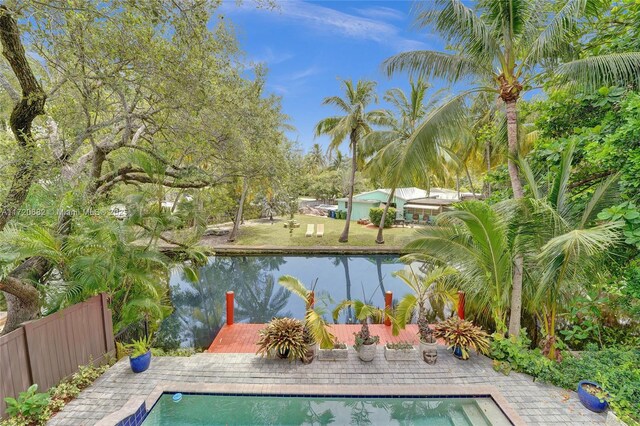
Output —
<point x="333" y="354"/>
<point x="400" y="354"/>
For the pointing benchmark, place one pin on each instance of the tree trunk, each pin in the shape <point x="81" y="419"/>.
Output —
<point x="488" y="160"/>
<point x="347" y="277"/>
<point x="380" y="238"/>
<point x="344" y="237"/>
<point x="236" y="224"/>
<point x="24" y="112"/>
<point x="379" y="270"/>
<point x="473" y="190"/>
<point x="518" y="193"/>
<point x="23" y="300"/>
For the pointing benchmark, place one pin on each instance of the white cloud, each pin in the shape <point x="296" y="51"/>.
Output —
<point x="331" y="21"/>
<point x="270" y="57"/>
<point x="381" y="12"/>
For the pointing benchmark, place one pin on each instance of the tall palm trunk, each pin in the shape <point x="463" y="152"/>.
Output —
<point x="347" y="278"/>
<point x="473" y="190"/>
<point x="344" y="237"/>
<point x="236" y="224"/>
<point x="516" y="185"/>
<point x="380" y="238"/>
<point x="379" y="269"/>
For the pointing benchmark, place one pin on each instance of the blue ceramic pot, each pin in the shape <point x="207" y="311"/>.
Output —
<point x="140" y="363"/>
<point x="592" y="402"/>
<point x="457" y="352"/>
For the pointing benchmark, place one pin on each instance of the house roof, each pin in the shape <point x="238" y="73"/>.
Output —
<point x="433" y="201"/>
<point x="402" y="193"/>
<point x="360" y="201"/>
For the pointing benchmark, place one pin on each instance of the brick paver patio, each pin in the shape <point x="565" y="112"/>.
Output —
<point x="536" y="403"/>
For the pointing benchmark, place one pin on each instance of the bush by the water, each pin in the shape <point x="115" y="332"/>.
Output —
<point x="375" y="215"/>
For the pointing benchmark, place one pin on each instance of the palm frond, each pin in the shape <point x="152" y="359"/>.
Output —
<point x="604" y="196"/>
<point x="619" y="69"/>
<point x="433" y="64"/>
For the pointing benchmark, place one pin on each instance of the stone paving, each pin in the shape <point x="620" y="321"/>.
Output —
<point x="535" y="403"/>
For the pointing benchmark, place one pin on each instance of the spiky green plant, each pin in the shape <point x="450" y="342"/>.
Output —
<point x="462" y="334"/>
<point x="283" y="337"/>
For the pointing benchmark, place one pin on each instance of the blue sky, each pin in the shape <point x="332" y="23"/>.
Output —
<point x="308" y="45"/>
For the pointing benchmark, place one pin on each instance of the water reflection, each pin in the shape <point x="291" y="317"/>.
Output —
<point x="200" y="306"/>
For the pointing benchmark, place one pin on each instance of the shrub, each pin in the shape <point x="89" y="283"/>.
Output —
<point x="616" y="370"/>
<point x="29" y="404"/>
<point x="375" y="215"/>
<point x="514" y="353"/>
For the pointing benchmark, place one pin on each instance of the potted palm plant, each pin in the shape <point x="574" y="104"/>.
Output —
<point x="139" y="354"/>
<point x="431" y="288"/>
<point x="316" y="328"/>
<point x="365" y="343"/>
<point x="284" y="338"/>
<point x="461" y="335"/>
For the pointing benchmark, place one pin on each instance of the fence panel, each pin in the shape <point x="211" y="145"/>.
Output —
<point x="49" y="349"/>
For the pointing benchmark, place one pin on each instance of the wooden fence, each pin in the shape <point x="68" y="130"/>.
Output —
<point x="49" y="349"/>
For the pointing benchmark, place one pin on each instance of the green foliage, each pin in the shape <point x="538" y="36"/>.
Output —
<point x="616" y="370"/>
<point x="34" y="408"/>
<point x="185" y="352"/>
<point x="375" y="216"/>
<point x="515" y="353"/>
<point x="139" y="347"/>
<point x="29" y="404"/>
<point x="630" y="215"/>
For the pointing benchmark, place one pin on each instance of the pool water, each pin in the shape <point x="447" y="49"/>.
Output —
<point x="194" y="409"/>
<point x="200" y="306"/>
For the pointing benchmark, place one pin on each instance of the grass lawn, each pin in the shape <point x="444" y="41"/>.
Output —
<point x="264" y="233"/>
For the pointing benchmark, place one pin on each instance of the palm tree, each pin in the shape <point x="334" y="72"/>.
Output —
<point x="314" y="322"/>
<point x="509" y="46"/>
<point x="571" y="245"/>
<point x="354" y="124"/>
<point x="475" y="240"/>
<point x="315" y="159"/>
<point x="386" y="145"/>
<point x="430" y="288"/>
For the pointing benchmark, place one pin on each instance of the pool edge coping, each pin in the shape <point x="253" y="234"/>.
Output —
<point x="135" y="402"/>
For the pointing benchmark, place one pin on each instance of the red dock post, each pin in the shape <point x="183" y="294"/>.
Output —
<point x="461" y="305"/>
<point x="388" y="301"/>
<point x="230" y="308"/>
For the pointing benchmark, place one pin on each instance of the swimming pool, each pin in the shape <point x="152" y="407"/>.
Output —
<point x="200" y="306"/>
<point x="208" y="409"/>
